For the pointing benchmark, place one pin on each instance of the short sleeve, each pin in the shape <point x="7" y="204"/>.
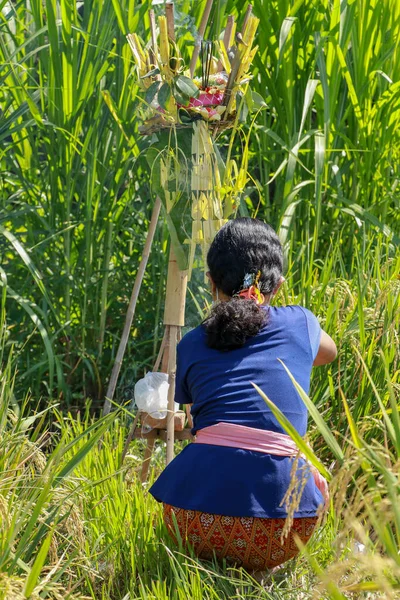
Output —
<point x="314" y="331"/>
<point x="182" y="395"/>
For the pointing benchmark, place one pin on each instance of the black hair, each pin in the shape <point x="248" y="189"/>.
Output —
<point x="241" y="246"/>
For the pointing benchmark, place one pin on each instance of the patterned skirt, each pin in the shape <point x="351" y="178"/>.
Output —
<point x="250" y="542"/>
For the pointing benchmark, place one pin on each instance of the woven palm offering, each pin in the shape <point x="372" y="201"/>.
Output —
<point x="185" y="106"/>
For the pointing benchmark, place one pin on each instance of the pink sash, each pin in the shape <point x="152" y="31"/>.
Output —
<point x="257" y="440"/>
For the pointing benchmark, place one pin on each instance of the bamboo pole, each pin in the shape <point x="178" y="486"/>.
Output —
<point x="236" y="60"/>
<point x="131" y="308"/>
<point x="165" y="356"/>
<point x="175" y="294"/>
<point x="153" y="30"/>
<point x="247" y="17"/>
<point x="169" y="13"/>
<point x="173" y="331"/>
<point x="228" y="32"/>
<point x="199" y="38"/>
<point x="231" y="79"/>
<point x="227" y="37"/>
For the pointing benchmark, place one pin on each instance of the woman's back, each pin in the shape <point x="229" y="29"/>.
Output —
<point x="233" y="481"/>
<point x="219" y="384"/>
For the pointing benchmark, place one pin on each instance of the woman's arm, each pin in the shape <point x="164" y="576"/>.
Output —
<point x="327" y="350"/>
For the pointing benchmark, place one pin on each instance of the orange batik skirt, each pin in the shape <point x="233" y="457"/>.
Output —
<point x="250" y="542"/>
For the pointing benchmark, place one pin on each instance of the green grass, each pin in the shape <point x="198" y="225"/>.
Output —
<point x="107" y="539"/>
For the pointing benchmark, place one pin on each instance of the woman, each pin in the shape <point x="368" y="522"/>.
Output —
<point x="225" y="492"/>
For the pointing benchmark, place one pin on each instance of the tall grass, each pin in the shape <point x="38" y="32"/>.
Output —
<point x="69" y="185"/>
<point x="99" y="534"/>
<point x="40" y="504"/>
<point x="75" y="195"/>
<point x="74" y="523"/>
<point x="331" y="72"/>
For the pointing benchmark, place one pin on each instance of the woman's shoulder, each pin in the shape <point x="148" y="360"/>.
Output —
<point x="191" y="337"/>
<point x="298" y="323"/>
<point x="295" y="317"/>
<point x="292" y="311"/>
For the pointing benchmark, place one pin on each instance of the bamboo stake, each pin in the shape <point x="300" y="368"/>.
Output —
<point x="173" y="331"/>
<point x="165" y="356"/>
<point x="153" y="30"/>
<point x="175" y="294"/>
<point x="246" y="17"/>
<point x="228" y="32"/>
<point x="231" y="79"/>
<point x="236" y="61"/>
<point x="131" y="308"/>
<point x="227" y="37"/>
<point x="202" y="28"/>
<point x="169" y="13"/>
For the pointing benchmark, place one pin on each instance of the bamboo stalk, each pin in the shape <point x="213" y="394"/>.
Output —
<point x="175" y="295"/>
<point x="131" y="308"/>
<point x="240" y="62"/>
<point x="165" y="356"/>
<point x="232" y="78"/>
<point x="202" y="28"/>
<point x="227" y="37"/>
<point x="249" y="10"/>
<point x="173" y="332"/>
<point x="169" y="13"/>
<point x="228" y="32"/>
<point x="153" y="30"/>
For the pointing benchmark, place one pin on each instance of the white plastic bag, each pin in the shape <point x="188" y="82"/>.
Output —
<point x="151" y="395"/>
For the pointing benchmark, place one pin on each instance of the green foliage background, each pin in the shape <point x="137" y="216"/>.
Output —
<point x="75" y="202"/>
<point x="74" y="183"/>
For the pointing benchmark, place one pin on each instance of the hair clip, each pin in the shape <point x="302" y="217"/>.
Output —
<point x="248" y="280"/>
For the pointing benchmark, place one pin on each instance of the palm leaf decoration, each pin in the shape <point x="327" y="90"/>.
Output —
<point x="183" y="112"/>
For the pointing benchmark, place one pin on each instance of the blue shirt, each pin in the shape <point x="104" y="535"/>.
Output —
<point x="231" y="481"/>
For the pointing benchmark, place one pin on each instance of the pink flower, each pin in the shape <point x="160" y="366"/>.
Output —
<point x="207" y="99"/>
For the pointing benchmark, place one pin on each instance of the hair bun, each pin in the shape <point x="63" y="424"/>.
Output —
<point x="232" y="323"/>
